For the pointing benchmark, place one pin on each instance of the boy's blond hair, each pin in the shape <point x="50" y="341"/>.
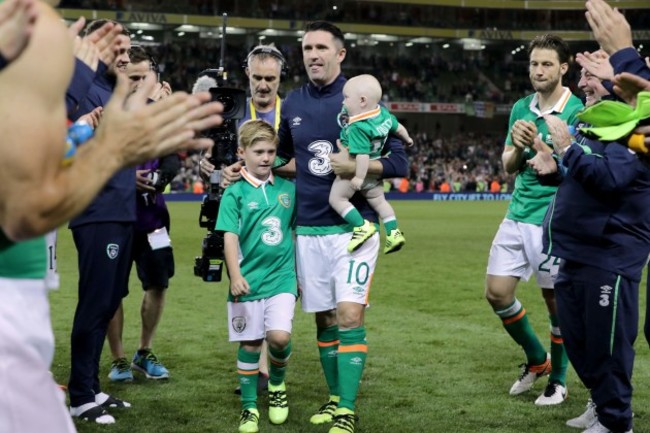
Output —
<point x="252" y="131"/>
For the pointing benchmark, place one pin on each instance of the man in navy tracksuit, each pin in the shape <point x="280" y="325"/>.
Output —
<point x="599" y="225"/>
<point x="103" y="236"/>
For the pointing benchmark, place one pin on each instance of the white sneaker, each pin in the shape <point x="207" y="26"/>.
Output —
<point x="555" y="393"/>
<point x="588" y="418"/>
<point x="599" y="428"/>
<point x="529" y="374"/>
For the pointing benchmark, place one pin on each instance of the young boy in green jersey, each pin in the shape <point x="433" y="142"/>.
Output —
<point x="257" y="215"/>
<point x="364" y="134"/>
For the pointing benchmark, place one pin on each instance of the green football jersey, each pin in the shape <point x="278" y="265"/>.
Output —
<point x="529" y="198"/>
<point x="262" y="214"/>
<point x="23" y="260"/>
<point x="366" y="133"/>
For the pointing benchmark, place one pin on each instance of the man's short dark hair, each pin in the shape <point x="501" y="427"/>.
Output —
<point x="326" y="26"/>
<point x="553" y="42"/>
<point x="138" y="54"/>
<point x="96" y="24"/>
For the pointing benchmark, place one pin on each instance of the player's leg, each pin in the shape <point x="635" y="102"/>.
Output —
<point x="103" y="281"/>
<point x="314" y="270"/>
<point x="246" y="321"/>
<point x="556" y="390"/>
<point x="278" y="314"/>
<point x="506" y="265"/>
<point x="545" y="269"/>
<point x="600" y="335"/>
<point x="120" y="368"/>
<point x="248" y="357"/>
<point x="570" y="304"/>
<point x="30" y="400"/>
<point x="353" y="275"/>
<point x="394" y="237"/>
<point x="340" y="195"/>
<point x="155" y="268"/>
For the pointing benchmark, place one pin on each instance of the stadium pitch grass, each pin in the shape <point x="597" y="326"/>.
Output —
<point x="439" y="360"/>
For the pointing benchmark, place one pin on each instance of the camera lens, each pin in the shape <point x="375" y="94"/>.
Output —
<point x="227" y="102"/>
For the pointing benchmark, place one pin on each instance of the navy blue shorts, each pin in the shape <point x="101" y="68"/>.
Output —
<point x="155" y="267"/>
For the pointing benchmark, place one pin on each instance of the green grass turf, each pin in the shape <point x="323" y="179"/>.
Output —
<point x="439" y="360"/>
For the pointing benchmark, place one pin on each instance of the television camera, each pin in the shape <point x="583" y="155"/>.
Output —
<point x="209" y="265"/>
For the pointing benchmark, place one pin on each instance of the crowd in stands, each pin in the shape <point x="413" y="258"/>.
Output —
<point x="465" y="162"/>
<point x="442" y="75"/>
<point x="367" y="11"/>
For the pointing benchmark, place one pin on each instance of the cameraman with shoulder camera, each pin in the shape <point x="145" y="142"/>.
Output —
<point x="263" y="65"/>
<point x="152" y="251"/>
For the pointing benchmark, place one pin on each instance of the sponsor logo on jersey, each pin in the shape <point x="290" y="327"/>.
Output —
<point x="239" y="324"/>
<point x="605" y="292"/>
<point x="253" y="205"/>
<point x="296" y="121"/>
<point x="112" y="251"/>
<point x="284" y="200"/>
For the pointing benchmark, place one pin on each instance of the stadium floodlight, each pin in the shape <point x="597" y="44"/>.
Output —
<point x="188" y="28"/>
<point x="471" y="44"/>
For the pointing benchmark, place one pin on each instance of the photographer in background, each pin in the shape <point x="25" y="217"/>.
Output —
<point x="152" y="251"/>
<point x="263" y="65"/>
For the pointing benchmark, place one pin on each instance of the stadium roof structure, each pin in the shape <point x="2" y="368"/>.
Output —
<point x="521" y="4"/>
<point x="151" y="26"/>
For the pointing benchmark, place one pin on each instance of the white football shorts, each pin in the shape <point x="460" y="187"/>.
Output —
<point x="250" y="320"/>
<point x="517" y="252"/>
<point x="328" y="274"/>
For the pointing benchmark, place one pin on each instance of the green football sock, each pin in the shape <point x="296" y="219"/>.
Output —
<point x="390" y="224"/>
<point x="515" y="320"/>
<point x="328" y="346"/>
<point x="559" y="358"/>
<point x="248" y="368"/>
<point x="353" y="216"/>
<point x="279" y="361"/>
<point x="353" y="350"/>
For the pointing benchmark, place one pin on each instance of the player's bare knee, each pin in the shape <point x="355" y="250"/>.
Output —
<point x="350" y="316"/>
<point x="499" y="295"/>
<point x="325" y="319"/>
<point x="278" y="340"/>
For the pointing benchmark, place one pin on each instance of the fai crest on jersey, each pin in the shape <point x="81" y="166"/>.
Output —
<point x="239" y="324"/>
<point x="112" y="251"/>
<point x="284" y="200"/>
